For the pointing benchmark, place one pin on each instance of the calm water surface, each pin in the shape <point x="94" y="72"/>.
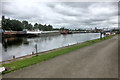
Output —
<point x="24" y="46"/>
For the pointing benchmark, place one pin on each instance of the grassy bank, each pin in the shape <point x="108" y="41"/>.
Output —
<point x="36" y="59"/>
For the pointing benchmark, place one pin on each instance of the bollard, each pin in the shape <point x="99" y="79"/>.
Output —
<point x="13" y="57"/>
<point x="7" y="68"/>
<point x="100" y="35"/>
<point x="32" y="53"/>
<point x="104" y="35"/>
<point x="36" y="54"/>
<point x="36" y="50"/>
<point x="36" y="47"/>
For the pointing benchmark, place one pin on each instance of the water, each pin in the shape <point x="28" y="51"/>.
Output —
<point x="24" y="46"/>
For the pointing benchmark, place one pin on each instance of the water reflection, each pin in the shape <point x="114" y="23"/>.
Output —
<point x="8" y="42"/>
<point x="23" y="46"/>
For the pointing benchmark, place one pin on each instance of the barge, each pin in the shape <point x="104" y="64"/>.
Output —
<point x="28" y="33"/>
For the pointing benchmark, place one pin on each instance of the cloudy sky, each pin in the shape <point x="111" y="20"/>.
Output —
<point x="64" y="14"/>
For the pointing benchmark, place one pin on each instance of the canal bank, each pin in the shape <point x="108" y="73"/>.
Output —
<point x="99" y="60"/>
<point x="36" y="59"/>
<point x="19" y="46"/>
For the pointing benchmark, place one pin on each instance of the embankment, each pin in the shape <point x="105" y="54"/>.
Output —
<point x="24" y="62"/>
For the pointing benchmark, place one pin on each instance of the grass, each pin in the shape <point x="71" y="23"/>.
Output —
<point x="36" y="59"/>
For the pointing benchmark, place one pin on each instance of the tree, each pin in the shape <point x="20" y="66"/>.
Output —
<point x="4" y="23"/>
<point x="50" y="27"/>
<point x="35" y="26"/>
<point x="25" y="24"/>
<point x="115" y="29"/>
<point x="17" y="25"/>
<point x="40" y="26"/>
<point x="14" y="25"/>
<point x="30" y="26"/>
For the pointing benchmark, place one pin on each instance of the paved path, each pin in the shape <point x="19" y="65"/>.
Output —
<point x="99" y="60"/>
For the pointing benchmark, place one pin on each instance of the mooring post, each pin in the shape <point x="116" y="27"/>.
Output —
<point x="36" y="49"/>
<point x="13" y="57"/>
<point x="32" y="53"/>
<point x="100" y="35"/>
<point x="104" y="35"/>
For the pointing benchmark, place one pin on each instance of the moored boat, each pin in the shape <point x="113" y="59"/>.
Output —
<point x="63" y="32"/>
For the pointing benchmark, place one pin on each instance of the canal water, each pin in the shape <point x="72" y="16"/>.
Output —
<point x="25" y="46"/>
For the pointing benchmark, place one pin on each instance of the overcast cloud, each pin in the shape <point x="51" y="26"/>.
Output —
<point x="64" y="14"/>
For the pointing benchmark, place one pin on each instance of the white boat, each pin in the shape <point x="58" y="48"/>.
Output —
<point x="34" y="32"/>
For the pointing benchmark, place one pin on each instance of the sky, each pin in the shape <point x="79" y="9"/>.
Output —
<point x="64" y="14"/>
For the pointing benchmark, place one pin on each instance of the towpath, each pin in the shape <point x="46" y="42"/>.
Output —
<point x="99" y="60"/>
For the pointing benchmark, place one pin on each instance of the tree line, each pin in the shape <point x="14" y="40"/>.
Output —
<point x="16" y="25"/>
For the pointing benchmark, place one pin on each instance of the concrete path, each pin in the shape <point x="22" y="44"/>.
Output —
<point x="99" y="60"/>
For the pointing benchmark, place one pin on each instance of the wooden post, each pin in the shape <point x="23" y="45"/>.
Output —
<point x="104" y="35"/>
<point x="100" y="35"/>
<point x="32" y="53"/>
<point x="36" y="49"/>
<point x="13" y="57"/>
